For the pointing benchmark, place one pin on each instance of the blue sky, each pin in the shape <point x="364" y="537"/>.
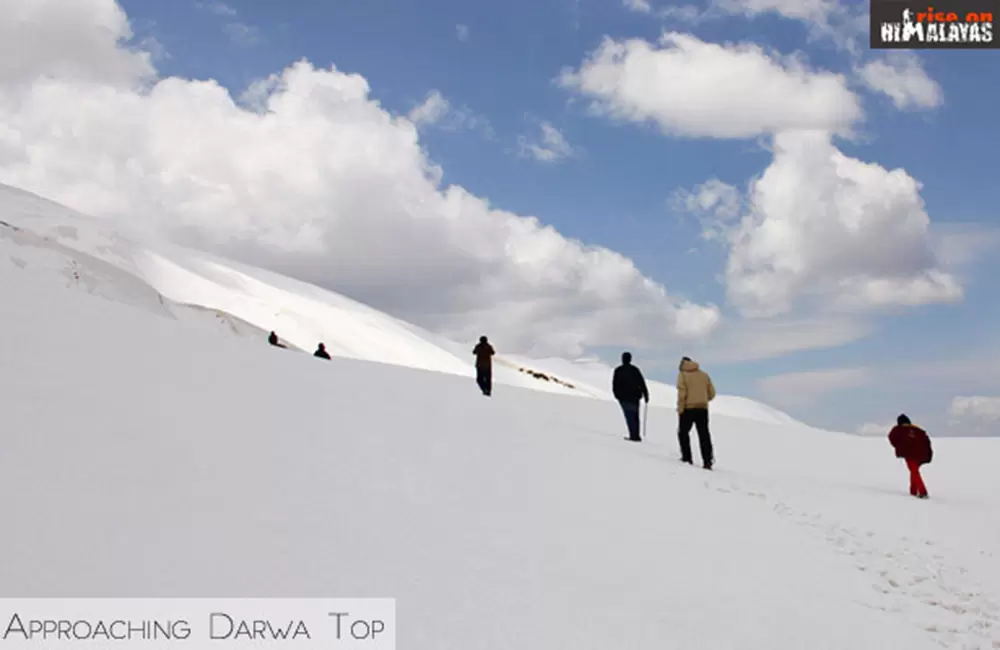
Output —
<point x="499" y="64"/>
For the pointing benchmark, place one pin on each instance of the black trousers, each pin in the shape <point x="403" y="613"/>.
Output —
<point x="698" y="418"/>
<point x="484" y="377"/>
<point x="631" y="411"/>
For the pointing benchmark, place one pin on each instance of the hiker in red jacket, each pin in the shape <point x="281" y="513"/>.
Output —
<point x="914" y="446"/>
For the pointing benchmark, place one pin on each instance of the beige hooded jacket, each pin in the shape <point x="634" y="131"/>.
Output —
<point x="694" y="387"/>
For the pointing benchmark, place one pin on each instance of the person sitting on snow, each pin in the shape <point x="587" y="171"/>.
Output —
<point x="321" y="352"/>
<point x="913" y="445"/>
<point x="273" y="340"/>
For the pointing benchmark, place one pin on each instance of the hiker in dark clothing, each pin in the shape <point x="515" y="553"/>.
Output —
<point x="484" y="365"/>
<point x="913" y="445"/>
<point x="273" y="340"/>
<point x="321" y="352"/>
<point x="629" y="386"/>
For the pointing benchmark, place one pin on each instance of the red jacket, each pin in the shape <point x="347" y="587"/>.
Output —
<point x="912" y="443"/>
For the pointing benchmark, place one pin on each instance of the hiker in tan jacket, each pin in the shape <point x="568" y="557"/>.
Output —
<point x="694" y="392"/>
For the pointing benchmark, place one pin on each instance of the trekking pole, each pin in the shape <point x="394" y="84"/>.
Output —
<point x="645" y="415"/>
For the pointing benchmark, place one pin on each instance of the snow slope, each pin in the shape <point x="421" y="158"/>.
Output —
<point x="185" y="284"/>
<point x="141" y="457"/>
<point x="53" y="248"/>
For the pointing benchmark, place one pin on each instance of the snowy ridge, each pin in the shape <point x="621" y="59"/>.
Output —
<point x="43" y="257"/>
<point x="189" y="285"/>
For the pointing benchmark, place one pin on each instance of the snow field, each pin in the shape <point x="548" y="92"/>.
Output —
<point x="148" y="458"/>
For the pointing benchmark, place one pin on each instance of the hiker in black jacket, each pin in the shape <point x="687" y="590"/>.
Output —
<point x="629" y="386"/>
<point x="484" y="365"/>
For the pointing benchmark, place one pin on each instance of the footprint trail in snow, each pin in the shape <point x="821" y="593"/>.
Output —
<point x="909" y="577"/>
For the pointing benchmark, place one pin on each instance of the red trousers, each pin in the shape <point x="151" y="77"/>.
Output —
<point x="917" y="487"/>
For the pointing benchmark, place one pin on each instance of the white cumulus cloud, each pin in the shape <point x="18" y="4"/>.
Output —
<point x="901" y="77"/>
<point x="693" y="88"/>
<point x="825" y="225"/>
<point x="308" y="175"/>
